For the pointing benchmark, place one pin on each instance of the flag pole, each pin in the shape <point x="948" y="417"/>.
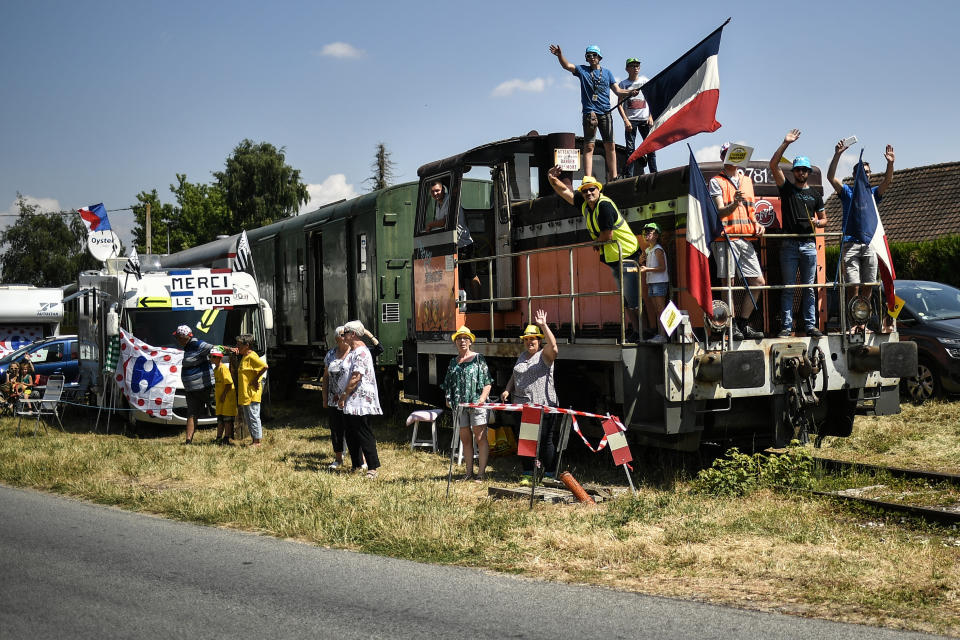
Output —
<point x="723" y="233"/>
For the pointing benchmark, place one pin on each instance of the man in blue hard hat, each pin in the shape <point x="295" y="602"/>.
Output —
<point x="596" y="83"/>
<point x="802" y="213"/>
<point x="859" y="260"/>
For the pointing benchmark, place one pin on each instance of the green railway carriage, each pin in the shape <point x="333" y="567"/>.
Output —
<point x="344" y="261"/>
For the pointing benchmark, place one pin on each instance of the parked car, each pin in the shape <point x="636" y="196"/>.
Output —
<point x="931" y="318"/>
<point x="50" y="356"/>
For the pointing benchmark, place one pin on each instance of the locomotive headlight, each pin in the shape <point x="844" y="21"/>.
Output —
<point x="859" y="310"/>
<point x="720" y="319"/>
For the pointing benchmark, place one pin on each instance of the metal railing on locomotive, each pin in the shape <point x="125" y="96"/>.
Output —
<point x="573" y="295"/>
<point x="841" y="284"/>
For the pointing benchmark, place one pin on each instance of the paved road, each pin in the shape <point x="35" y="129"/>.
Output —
<point x="74" y="570"/>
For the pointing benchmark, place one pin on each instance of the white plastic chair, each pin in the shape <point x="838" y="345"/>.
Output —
<point x="44" y="407"/>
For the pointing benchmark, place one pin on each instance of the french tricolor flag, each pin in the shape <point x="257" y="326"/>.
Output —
<point x="863" y="224"/>
<point x="683" y="97"/>
<point x="95" y="218"/>
<point x="703" y="224"/>
<point x="529" y="432"/>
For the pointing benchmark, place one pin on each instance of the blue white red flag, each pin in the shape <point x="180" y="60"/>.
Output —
<point x="703" y="225"/>
<point x="95" y="218"/>
<point x="864" y="225"/>
<point x="683" y="97"/>
<point x="148" y="376"/>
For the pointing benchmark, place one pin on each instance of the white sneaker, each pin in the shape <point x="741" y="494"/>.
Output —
<point x="333" y="466"/>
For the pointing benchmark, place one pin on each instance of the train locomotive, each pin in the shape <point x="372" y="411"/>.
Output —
<point x="378" y="258"/>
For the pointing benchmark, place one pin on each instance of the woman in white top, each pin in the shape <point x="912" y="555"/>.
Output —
<point x="654" y="269"/>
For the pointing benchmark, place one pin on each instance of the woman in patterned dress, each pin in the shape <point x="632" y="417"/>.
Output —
<point x="358" y="399"/>
<point x="468" y="380"/>
<point x="532" y="383"/>
<point x="332" y="383"/>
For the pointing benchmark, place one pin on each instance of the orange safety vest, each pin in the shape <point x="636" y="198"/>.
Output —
<point x="741" y="220"/>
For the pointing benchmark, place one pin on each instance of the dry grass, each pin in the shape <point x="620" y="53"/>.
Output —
<point x="769" y="551"/>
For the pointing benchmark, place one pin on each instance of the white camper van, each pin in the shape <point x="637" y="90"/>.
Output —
<point x="28" y="314"/>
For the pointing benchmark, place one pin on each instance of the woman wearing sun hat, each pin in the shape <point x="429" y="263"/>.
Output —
<point x="532" y="383"/>
<point x="468" y="380"/>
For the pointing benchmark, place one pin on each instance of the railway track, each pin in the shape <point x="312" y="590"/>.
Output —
<point x="948" y="515"/>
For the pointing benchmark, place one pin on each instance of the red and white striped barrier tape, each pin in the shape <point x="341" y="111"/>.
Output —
<point x="573" y="413"/>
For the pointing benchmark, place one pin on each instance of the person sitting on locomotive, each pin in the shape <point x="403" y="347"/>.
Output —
<point x="658" y="279"/>
<point x="532" y="383"/>
<point x="469" y="280"/>
<point x="732" y="191"/>
<point x="605" y="224"/>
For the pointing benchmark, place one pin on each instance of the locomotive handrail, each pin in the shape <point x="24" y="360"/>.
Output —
<point x="573" y="295"/>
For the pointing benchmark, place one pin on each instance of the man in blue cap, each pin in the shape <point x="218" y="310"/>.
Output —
<point x="802" y="213"/>
<point x="596" y="83"/>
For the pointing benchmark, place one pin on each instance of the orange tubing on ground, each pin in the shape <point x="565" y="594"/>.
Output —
<point x="571" y="483"/>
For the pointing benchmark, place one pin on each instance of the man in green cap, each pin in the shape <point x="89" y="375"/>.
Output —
<point x="636" y="119"/>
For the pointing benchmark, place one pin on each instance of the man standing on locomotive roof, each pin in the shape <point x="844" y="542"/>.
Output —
<point x="605" y="224"/>
<point x="802" y="214"/>
<point x="596" y="84"/>
<point x="732" y="190"/>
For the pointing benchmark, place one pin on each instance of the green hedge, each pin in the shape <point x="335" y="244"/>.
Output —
<point x="937" y="260"/>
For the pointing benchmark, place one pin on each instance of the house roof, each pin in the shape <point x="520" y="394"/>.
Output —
<point x="922" y="203"/>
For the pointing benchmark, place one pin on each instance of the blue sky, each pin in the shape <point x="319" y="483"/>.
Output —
<point x="105" y="99"/>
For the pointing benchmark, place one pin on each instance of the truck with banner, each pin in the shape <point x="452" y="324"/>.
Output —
<point x="217" y="304"/>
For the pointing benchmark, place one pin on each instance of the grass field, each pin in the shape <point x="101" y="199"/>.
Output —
<point x="767" y="550"/>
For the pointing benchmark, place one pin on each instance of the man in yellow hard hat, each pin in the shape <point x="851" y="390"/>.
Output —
<point x="605" y="224"/>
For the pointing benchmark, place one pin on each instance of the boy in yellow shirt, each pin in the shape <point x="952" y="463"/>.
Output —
<point x="249" y="372"/>
<point x="225" y="396"/>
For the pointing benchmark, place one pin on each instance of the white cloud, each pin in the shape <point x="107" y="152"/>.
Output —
<point x="330" y="190"/>
<point x="712" y="152"/>
<point x="46" y="205"/>
<point x="508" y="88"/>
<point x="708" y="154"/>
<point x="341" y="50"/>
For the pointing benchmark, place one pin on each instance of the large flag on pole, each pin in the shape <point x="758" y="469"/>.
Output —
<point x="703" y="225"/>
<point x="95" y="218"/>
<point x="683" y="97"/>
<point x="243" y="261"/>
<point x="864" y="225"/>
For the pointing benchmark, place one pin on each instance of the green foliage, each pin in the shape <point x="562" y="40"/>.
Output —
<point x="44" y="249"/>
<point x="199" y="216"/>
<point x="738" y="474"/>
<point x="937" y="260"/>
<point x="259" y="186"/>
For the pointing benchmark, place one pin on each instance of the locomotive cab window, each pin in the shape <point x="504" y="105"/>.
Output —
<point x="437" y="199"/>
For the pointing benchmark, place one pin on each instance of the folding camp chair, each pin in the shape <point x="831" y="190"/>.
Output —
<point x="44" y="407"/>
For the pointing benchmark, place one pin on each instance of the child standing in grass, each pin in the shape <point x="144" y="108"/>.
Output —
<point x="225" y="397"/>
<point x="250" y="370"/>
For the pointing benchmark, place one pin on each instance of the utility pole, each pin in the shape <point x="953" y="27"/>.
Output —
<point x="149" y="232"/>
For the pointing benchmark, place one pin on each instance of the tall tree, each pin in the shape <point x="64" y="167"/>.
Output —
<point x="382" y="168"/>
<point x="259" y="186"/>
<point x="44" y="249"/>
